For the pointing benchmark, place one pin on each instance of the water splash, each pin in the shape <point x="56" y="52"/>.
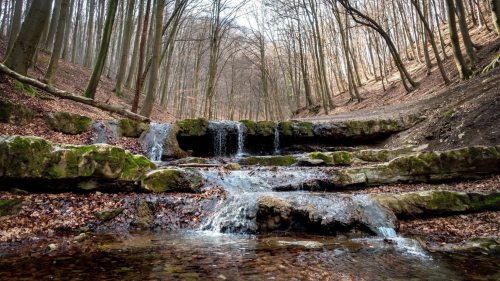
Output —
<point x="154" y="142"/>
<point x="221" y="131"/>
<point x="276" y="141"/>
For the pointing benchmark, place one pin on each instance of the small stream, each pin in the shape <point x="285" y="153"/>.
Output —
<point x="274" y="225"/>
<point x="194" y="255"/>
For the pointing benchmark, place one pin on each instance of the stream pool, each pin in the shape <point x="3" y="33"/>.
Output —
<point x="196" y="255"/>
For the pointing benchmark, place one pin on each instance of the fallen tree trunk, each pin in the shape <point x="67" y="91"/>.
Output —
<point x="67" y="95"/>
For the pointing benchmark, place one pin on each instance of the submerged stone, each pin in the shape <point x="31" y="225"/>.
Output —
<point x="15" y="114"/>
<point x="107" y="215"/>
<point x="68" y="123"/>
<point x="232" y="167"/>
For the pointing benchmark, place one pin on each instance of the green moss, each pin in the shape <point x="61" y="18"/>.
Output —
<point x="193" y="127"/>
<point x="19" y="86"/>
<point x="490" y="201"/>
<point x="341" y="158"/>
<point x="493" y="151"/>
<point x="250" y="126"/>
<point x="305" y="129"/>
<point x="173" y="180"/>
<point x="321" y="156"/>
<point x="286" y="128"/>
<point x="355" y="127"/>
<point x="448" y="200"/>
<point x="265" y="128"/>
<point x="135" y="167"/>
<point x="270" y="161"/>
<point x="370" y="124"/>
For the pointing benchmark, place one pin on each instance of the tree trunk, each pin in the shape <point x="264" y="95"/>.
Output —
<point x="49" y="43"/>
<point x="133" y="63"/>
<point x="103" y="50"/>
<point x="23" y="49"/>
<point x="90" y="35"/>
<point x="67" y="31"/>
<point x="463" y="69"/>
<point x="469" y="46"/>
<point x="16" y="24"/>
<point x="127" y="34"/>
<point x="135" y="105"/>
<point x="56" y="49"/>
<point x="155" y="66"/>
<point x="495" y="14"/>
<point x="75" y="30"/>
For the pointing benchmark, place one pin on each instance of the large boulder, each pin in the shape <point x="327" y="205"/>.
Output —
<point x="15" y="114"/>
<point x="171" y="148"/>
<point x="172" y="180"/>
<point x="38" y="159"/>
<point x="437" y="202"/>
<point x="131" y="128"/>
<point x="68" y="123"/>
<point x="459" y="164"/>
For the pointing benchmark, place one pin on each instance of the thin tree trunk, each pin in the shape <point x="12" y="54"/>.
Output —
<point x="127" y="34"/>
<point x="495" y="14"/>
<point x="90" y="35"/>
<point x="67" y="30"/>
<point x="16" y="24"/>
<point x="463" y="69"/>
<point x="469" y="46"/>
<point x="56" y="49"/>
<point x="135" y="104"/>
<point x="133" y="63"/>
<point x="103" y="51"/>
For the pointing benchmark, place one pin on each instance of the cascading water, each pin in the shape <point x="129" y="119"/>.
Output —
<point x="276" y="141"/>
<point x="221" y="131"/>
<point x="154" y="141"/>
<point x="241" y="140"/>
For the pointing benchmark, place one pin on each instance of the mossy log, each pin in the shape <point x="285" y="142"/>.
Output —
<point x="67" y="95"/>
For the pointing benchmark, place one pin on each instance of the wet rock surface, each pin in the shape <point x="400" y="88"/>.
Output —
<point x="172" y="180"/>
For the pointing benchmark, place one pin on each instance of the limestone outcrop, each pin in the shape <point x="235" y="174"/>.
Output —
<point x="172" y="180"/>
<point x="459" y="164"/>
<point x="437" y="202"/>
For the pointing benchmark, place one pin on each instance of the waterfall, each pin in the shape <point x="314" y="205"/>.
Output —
<point x="155" y="140"/>
<point x="241" y="140"/>
<point x="276" y="141"/>
<point x="221" y="132"/>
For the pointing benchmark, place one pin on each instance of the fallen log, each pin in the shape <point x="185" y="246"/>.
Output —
<point x="67" y="95"/>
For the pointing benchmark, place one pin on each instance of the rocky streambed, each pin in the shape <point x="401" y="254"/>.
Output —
<point x="101" y="200"/>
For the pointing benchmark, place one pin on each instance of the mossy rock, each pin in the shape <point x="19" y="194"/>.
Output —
<point x="107" y="215"/>
<point x="131" y="128"/>
<point x="288" y="160"/>
<point x="172" y="180"/>
<point x="341" y="158"/>
<point x="286" y="128"/>
<point x="10" y="207"/>
<point x="321" y="156"/>
<point x="437" y="202"/>
<point x="68" y="123"/>
<point x="459" y="164"/>
<point x="265" y="128"/>
<point x="250" y="126"/>
<point x="383" y="155"/>
<point x="36" y="158"/>
<point x="15" y="114"/>
<point x="304" y="129"/>
<point x="193" y="127"/>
